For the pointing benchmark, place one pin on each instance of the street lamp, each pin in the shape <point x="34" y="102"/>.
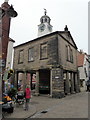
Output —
<point x="10" y="12"/>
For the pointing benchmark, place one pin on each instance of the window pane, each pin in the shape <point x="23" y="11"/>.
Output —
<point x="43" y="51"/>
<point x="21" y="56"/>
<point x="66" y="53"/>
<point x="31" y="56"/>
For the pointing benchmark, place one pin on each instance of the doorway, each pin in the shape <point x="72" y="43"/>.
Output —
<point x="44" y="81"/>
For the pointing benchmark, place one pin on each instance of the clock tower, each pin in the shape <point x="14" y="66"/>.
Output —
<point x="45" y="27"/>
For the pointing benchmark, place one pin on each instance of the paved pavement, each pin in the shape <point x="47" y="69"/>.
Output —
<point x="72" y="106"/>
<point x="19" y="112"/>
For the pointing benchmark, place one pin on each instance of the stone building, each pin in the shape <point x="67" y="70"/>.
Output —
<point x="48" y="63"/>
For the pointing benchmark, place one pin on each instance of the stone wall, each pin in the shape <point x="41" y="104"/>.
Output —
<point x="57" y="83"/>
<point x="53" y="51"/>
<point x="62" y="53"/>
<point x="37" y="63"/>
<point x="55" y="61"/>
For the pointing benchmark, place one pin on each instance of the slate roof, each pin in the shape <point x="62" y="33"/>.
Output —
<point x="53" y="33"/>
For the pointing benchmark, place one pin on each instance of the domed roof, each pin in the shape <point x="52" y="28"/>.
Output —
<point x="45" y="18"/>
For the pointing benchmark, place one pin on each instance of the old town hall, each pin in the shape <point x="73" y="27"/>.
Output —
<point x="48" y="63"/>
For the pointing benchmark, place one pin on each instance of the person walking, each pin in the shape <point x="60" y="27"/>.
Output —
<point x="27" y="97"/>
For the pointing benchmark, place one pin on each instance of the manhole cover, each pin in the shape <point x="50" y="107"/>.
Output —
<point x="44" y="111"/>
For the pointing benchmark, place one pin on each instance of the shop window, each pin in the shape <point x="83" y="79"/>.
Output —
<point x="31" y="54"/>
<point x="43" y="51"/>
<point x="33" y="81"/>
<point x="21" y="56"/>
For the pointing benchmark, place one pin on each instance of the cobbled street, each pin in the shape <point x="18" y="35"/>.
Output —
<point x="71" y="106"/>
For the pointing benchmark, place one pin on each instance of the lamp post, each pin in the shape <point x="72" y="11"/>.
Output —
<point x="10" y="12"/>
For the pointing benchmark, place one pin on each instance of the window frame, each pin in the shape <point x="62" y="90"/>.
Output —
<point x="69" y="54"/>
<point x="41" y="56"/>
<point x="21" y="61"/>
<point x="30" y="60"/>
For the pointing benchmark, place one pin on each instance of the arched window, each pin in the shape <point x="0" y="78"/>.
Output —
<point x="41" y="20"/>
<point x="45" y="19"/>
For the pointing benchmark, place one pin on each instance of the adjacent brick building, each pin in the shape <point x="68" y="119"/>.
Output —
<point x="52" y="58"/>
<point x="4" y="33"/>
<point x="6" y="43"/>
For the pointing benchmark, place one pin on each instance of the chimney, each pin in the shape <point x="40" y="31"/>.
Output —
<point x="66" y="28"/>
<point x="81" y="51"/>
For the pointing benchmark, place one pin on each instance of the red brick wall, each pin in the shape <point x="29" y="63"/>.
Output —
<point x="5" y="26"/>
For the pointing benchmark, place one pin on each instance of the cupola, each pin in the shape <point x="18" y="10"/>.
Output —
<point x="44" y="27"/>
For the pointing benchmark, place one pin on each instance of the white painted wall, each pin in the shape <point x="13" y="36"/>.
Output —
<point x="86" y="65"/>
<point x="9" y="55"/>
<point x="82" y="72"/>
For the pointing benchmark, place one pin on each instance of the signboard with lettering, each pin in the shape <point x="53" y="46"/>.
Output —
<point x="2" y="63"/>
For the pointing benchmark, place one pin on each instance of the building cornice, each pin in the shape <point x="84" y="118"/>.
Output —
<point x="47" y="35"/>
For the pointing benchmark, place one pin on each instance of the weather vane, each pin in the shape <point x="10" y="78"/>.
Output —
<point x="45" y="11"/>
<point x="6" y="0"/>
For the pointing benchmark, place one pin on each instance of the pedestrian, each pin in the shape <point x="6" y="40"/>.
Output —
<point x="27" y="95"/>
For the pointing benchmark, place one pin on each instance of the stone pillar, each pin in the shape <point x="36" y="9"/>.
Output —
<point x="57" y="83"/>
<point x="16" y="79"/>
<point x="67" y="88"/>
<point x="78" y="80"/>
<point x="28" y="78"/>
<point x="72" y="83"/>
<point x="50" y="83"/>
<point x="37" y="83"/>
<point x="24" y="80"/>
<point x="76" y="83"/>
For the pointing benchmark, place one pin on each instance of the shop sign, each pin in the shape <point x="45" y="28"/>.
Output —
<point x="2" y="63"/>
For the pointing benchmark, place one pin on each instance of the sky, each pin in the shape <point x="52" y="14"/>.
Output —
<point x="73" y="13"/>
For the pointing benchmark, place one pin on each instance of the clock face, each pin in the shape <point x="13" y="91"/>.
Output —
<point x="42" y="27"/>
<point x="50" y="28"/>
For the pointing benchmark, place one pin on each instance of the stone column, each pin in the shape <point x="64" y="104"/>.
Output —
<point x="24" y="80"/>
<point x="76" y="83"/>
<point x="37" y="83"/>
<point x="78" y="80"/>
<point x="67" y="88"/>
<point x="50" y="83"/>
<point x="16" y="79"/>
<point x="72" y="83"/>
<point x="57" y="83"/>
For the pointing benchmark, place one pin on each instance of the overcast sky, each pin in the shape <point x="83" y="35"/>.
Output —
<point x="73" y="13"/>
